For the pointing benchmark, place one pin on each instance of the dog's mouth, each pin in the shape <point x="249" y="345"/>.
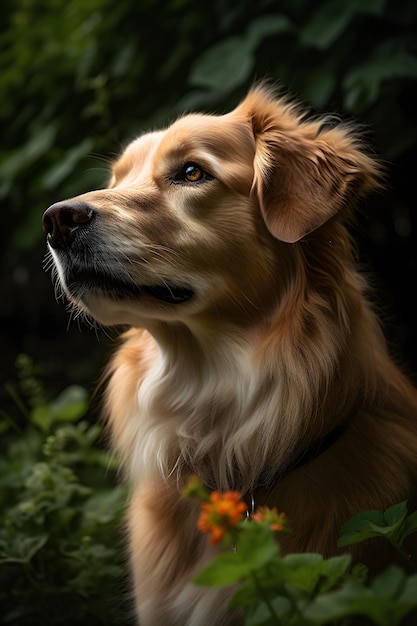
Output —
<point x="118" y="289"/>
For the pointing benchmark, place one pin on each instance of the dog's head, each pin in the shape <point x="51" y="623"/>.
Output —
<point x="202" y="218"/>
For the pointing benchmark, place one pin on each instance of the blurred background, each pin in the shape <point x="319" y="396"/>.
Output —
<point x="79" y="79"/>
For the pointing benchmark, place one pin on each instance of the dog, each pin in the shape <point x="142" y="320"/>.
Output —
<point x="253" y="357"/>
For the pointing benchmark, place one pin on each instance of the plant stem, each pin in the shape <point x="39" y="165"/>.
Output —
<point x="11" y="391"/>
<point x="265" y="598"/>
<point x="10" y="421"/>
<point x="399" y="547"/>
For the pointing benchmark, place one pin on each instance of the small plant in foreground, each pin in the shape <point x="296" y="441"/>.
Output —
<point x="302" y="589"/>
<point x="59" y="511"/>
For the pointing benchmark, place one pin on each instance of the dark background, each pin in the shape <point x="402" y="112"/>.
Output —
<point x="79" y="79"/>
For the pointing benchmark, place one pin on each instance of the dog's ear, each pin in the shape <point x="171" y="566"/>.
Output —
<point x="304" y="171"/>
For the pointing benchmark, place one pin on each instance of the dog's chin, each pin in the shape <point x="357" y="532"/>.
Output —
<point x="111" y="300"/>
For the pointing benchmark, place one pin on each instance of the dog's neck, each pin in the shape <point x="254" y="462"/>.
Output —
<point x="207" y="395"/>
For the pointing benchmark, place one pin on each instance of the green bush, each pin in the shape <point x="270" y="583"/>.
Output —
<point x="60" y="536"/>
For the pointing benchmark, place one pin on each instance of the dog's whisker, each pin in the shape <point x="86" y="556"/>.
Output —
<point x="70" y="317"/>
<point x="162" y="251"/>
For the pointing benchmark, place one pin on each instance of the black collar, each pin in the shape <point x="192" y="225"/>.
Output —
<point x="268" y="480"/>
<point x="318" y="448"/>
<point x="305" y="456"/>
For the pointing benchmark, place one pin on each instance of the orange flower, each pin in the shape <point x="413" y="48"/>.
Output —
<point x="221" y="513"/>
<point x="276" y="521"/>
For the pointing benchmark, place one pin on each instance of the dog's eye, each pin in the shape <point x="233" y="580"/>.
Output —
<point x="192" y="173"/>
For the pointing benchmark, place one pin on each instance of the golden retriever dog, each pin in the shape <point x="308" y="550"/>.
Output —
<point x="253" y="357"/>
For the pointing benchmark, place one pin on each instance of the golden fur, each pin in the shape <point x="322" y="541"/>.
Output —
<point x="276" y="345"/>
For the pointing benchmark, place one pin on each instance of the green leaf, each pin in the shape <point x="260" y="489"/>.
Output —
<point x="310" y="572"/>
<point x="388" y="61"/>
<point x="394" y="585"/>
<point x="22" y="549"/>
<point x="360" y="527"/>
<point x="245" y="595"/>
<point x="225" y="66"/>
<point x="375" y="524"/>
<point x="334" y="570"/>
<point x="224" y="569"/>
<point x="319" y="85"/>
<point x="350" y="600"/>
<point x="261" y="613"/>
<point x="65" y="166"/>
<point x="396" y="514"/>
<point x="332" y="18"/>
<point x="303" y="570"/>
<point x="256" y="546"/>
<point x="39" y="142"/>
<point x="408" y="596"/>
<point x="41" y="417"/>
<point x="266" y="26"/>
<point x="360" y="573"/>
<point x="70" y="405"/>
<point x="390" y="583"/>
<point x="326" y="25"/>
<point x="410" y="525"/>
<point x="104" y="506"/>
<point x="271" y="578"/>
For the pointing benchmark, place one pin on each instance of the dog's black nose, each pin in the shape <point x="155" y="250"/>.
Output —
<point x="62" y="220"/>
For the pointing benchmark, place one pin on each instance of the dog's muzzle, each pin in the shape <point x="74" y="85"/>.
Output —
<point x="67" y="225"/>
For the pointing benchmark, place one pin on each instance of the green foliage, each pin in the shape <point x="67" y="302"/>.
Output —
<point x="256" y="547"/>
<point x="329" y="21"/>
<point x="229" y="63"/>
<point x="308" y="590"/>
<point x="80" y="78"/>
<point x="395" y="524"/>
<point x="60" y="511"/>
